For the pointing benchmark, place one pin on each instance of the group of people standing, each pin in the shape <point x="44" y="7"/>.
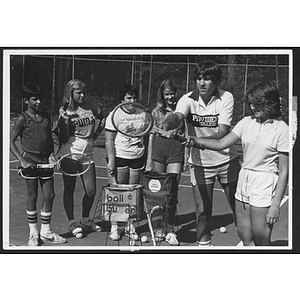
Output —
<point x="204" y="116"/>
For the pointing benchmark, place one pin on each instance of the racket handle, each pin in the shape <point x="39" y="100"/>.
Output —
<point x="45" y="166"/>
<point x="38" y="166"/>
<point x="65" y="106"/>
<point x="112" y="179"/>
<point x="199" y="146"/>
<point x="183" y="139"/>
<point x="21" y="168"/>
<point x="169" y="135"/>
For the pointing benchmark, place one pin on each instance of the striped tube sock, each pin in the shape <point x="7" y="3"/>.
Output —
<point x="45" y="220"/>
<point x="32" y="221"/>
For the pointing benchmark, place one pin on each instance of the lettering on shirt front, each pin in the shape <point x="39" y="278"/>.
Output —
<point x="81" y="122"/>
<point x="204" y="121"/>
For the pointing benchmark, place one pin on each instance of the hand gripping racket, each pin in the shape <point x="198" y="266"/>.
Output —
<point x="132" y="119"/>
<point x="70" y="164"/>
<point x="168" y="134"/>
<point x="171" y="135"/>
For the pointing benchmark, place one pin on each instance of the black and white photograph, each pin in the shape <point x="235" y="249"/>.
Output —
<point x="150" y="149"/>
<point x="184" y="150"/>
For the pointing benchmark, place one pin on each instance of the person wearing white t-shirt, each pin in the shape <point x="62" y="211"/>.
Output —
<point x="77" y="121"/>
<point x="126" y="156"/>
<point x="264" y="175"/>
<point x="208" y="112"/>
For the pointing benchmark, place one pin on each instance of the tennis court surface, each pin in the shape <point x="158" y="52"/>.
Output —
<point x="17" y="228"/>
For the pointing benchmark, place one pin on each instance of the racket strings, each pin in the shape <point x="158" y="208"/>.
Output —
<point x="134" y="122"/>
<point x="74" y="164"/>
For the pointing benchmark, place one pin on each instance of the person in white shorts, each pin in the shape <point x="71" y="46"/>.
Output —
<point x="77" y="133"/>
<point x="208" y="113"/>
<point x="264" y="175"/>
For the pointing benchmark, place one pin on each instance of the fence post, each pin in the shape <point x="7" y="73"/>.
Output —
<point x="23" y="74"/>
<point x="245" y="88"/>
<point x="73" y="66"/>
<point x="187" y="75"/>
<point x="150" y="80"/>
<point x="53" y="91"/>
<point x="132" y="71"/>
<point x="276" y="58"/>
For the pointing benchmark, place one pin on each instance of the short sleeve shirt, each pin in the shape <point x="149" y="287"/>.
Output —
<point x="126" y="147"/>
<point x="83" y="123"/>
<point x="262" y="142"/>
<point x="203" y="120"/>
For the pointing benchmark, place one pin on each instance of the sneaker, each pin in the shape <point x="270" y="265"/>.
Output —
<point x="159" y="236"/>
<point x="114" y="234"/>
<point x="33" y="240"/>
<point x="90" y="225"/>
<point x="171" y="238"/>
<point x="53" y="237"/>
<point x="131" y="233"/>
<point x="76" y="230"/>
<point x="205" y="244"/>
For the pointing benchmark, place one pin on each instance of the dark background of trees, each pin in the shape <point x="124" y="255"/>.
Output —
<point x="106" y="74"/>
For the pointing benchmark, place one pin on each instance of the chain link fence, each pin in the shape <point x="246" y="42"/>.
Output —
<point x="106" y="74"/>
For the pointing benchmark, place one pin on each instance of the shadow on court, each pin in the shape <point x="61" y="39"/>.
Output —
<point x="16" y="228"/>
<point x="187" y="225"/>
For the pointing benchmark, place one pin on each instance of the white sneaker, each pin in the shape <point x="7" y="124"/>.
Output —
<point x="114" y="234"/>
<point x="204" y="244"/>
<point x="53" y="237"/>
<point x="33" y="240"/>
<point x="76" y="230"/>
<point x="171" y="238"/>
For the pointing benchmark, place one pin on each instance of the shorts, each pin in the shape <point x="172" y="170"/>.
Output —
<point x="35" y="173"/>
<point x="77" y="145"/>
<point x="137" y="163"/>
<point x="256" y="188"/>
<point x="167" y="151"/>
<point x="226" y="173"/>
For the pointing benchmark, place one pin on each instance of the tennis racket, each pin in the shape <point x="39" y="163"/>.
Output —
<point x="174" y="136"/>
<point x="132" y="119"/>
<point x="70" y="164"/>
<point x="56" y="142"/>
<point x="168" y="134"/>
<point x="55" y="132"/>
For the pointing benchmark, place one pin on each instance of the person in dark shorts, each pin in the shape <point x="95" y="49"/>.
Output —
<point x="126" y="156"/>
<point x="34" y="128"/>
<point x="166" y="155"/>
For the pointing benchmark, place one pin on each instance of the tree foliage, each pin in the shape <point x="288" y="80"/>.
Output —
<point x="105" y="75"/>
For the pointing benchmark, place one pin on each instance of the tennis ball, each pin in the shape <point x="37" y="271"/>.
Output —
<point x="222" y="229"/>
<point x="144" y="239"/>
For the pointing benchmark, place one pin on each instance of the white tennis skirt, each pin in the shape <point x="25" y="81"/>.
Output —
<point x="76" y="145"/>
